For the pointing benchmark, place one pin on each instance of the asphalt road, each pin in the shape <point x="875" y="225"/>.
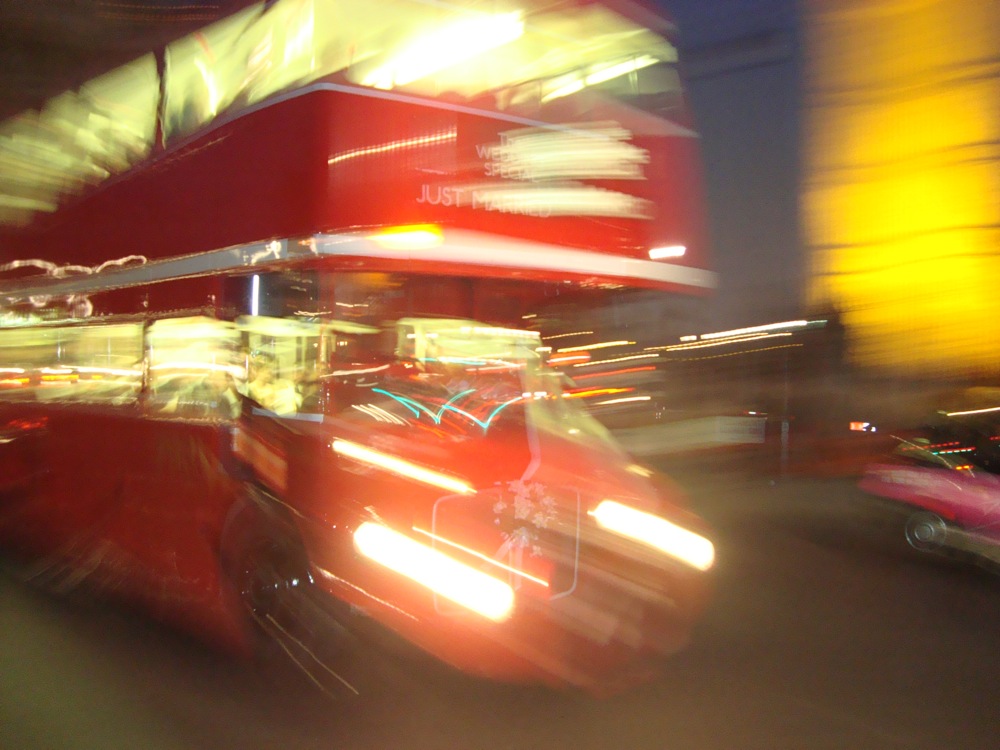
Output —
<point x="825" y="632"/>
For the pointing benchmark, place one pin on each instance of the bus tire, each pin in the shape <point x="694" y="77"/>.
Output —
<point x="262" y="557"/>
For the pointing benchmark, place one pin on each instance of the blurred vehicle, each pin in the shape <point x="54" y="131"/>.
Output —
<point x="303" y="245"/>
<point x="945" y="478"/>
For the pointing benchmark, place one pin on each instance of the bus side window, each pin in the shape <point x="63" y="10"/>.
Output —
<point x="267" y="388"/>
<point x="95" y="363"/>
<point x="194" y="370"/>
<point x="21" y="352"/>
<point x="107" y="361"/>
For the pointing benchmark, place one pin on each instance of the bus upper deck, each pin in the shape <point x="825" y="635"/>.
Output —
<point x="541" y="129"/>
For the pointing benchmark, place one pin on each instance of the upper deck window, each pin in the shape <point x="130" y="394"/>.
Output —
<point x="79" y="138"/>
<point x="516" y="55"/>
<point x="560" y="62"/>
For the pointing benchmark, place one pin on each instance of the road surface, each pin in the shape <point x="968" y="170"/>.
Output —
<point x="824" y="632"/>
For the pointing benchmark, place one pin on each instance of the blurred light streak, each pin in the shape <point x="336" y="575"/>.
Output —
<point x="435" y="570"/>
<point x="583" y="152"/>
<point x="416" y="407"/>
<point x="359" y="371"/>
<point x="197" y="368"/>
<point x="623" y="400"/>
<point x="573" y="358"/>
<point x="364" y="592"/>
<point x="720" y="342"/>
<point x="741" y="352"/>
<point x="378" y="414"/>
<point x="564" y="335"/>
<point x="456" y="43"/>
<point x="614" y="373"/>
<point x="755" y="329"/>
<point x="596" y="392"/>
<point x="598" y="75"/>
<point x="481" y="556"/>
<point x="657" y="532"/>
<point x="423" y="140"/>
<point x="602" y="345"/>
<point x="401" y="467"/>
<point x="972" y="411"/>
<point x="617" y="359"/>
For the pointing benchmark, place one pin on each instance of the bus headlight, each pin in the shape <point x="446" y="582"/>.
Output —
<point x="657" y="532"/>
<point x="442" y="574"/>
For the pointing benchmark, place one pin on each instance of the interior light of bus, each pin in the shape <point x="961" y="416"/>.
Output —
<point x="196" y="368"/>
<point x="449" y="46"/>
<point x="599" y="75"/>
<point x="488" y="331"/>
<point x="659" y="533"/>
<point x="442" y="574"/>
<point x="416" y="237"/>
<point x="573" y="85"/>
<point x="402" y="467"/>
<point x="618" y="70"/>
<point x="120" y="372"/>
<point x="210" y="86"/>
<point x="667" y="251"/>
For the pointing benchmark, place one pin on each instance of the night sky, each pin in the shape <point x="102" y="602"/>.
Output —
<point x="743" y="65"/>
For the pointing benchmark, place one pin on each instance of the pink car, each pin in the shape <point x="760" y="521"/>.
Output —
<point x="948" y="482"/>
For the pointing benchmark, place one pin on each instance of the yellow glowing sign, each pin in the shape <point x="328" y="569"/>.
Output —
<point x="902" y="197"/>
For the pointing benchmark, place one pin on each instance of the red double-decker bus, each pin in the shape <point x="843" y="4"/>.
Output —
<point x="274" y="305"/>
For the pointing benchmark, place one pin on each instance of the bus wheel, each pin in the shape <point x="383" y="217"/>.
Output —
<point x="260" y="580"/>
<point x="263" y="560"/>
<point x="926" y="531"/>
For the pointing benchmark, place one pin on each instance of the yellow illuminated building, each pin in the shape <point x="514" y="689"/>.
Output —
<point x="901" y="197"/>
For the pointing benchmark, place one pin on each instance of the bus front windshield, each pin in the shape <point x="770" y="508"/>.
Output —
<point x="368" y="359"/>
